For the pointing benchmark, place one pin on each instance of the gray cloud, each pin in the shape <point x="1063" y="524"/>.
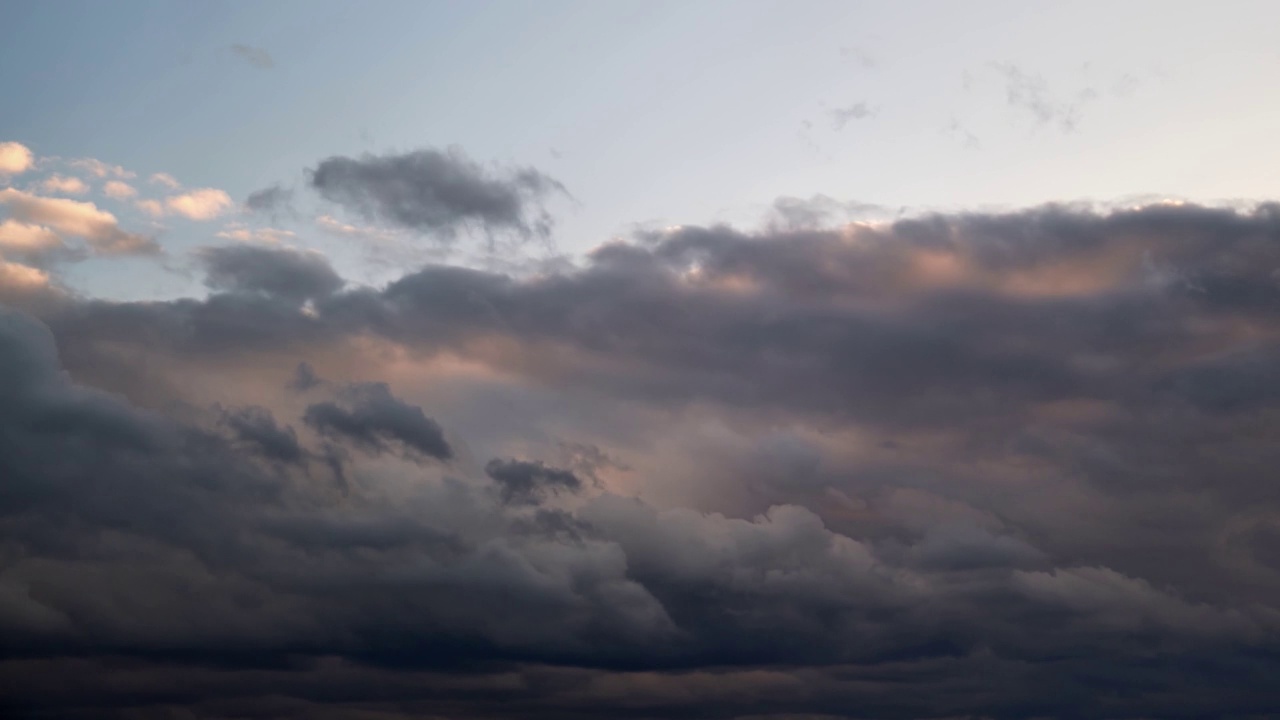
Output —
<point x="952" y="453"/>
<point x="842" y="116"/>
<point x="1031" y="93"/>
<point x="256" y="57"/>
<point x="371" y="416"/>
<point x="304" y="378"/>
<point x="791" y="214"/>
<point x="524" y="482"/>
<point x="257" y="427"/>
<point x="269" y="200"/>
<point x="292" y="274"/>
<point x="438" y="192"/>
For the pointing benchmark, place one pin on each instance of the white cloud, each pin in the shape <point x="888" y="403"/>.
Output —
<point x="99" y="169"/>
<point x="15" y="158"/>
<point x="23" y="238"/>
<point x="64" y="185"/>
<point x="73" y="217"/>
<point x="201" y="204"/>
<point x="119" y="190"/>
<point x="166" y="180"/>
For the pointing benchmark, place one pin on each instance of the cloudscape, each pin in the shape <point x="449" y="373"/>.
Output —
<point x="754" y="361"/>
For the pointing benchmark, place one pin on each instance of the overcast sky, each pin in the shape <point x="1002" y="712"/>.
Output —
<point x="822" y="360"/>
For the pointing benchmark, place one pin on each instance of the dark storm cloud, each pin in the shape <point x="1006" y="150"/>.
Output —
<point x="527" y="483"/>
<point x="371" y="416"/>
<point x="257" y="426"/>
<point x="438" y="192"/>
<point x="291" y="274"/>
<point x="987" y="436"/>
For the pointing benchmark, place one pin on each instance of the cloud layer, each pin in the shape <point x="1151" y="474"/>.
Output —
<point x="974" y="465"/>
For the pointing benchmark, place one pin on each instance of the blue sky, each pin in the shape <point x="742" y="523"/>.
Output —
<point x="651" y="113"/>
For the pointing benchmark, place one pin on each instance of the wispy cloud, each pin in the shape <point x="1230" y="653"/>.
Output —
<point x="254" y="56"/>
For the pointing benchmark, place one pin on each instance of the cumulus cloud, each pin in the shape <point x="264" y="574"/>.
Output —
<point x="951" y="453"/>
<point x="81" y="219"/>
<point x="15" y="158"/>
<point x="438" y="192"/>
<point x="23" y="239"/>
<point x="64" y="185"/>
<point x="118" y="190"/>
<point x="201" y="204"/>
<point x="280" y="272"/>
<point x="17" y="279"/>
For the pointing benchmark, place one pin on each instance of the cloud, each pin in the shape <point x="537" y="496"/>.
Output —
<point x="99" y="169"/>
<point x="257" y="427"/>
<point x="200" y="204"/>
<point x="154" y="208"/>
<point x="166" y="180"/>
<point x="15" y="158"/>
<point x="332" y="225"/>
<point x="859" y="55"/>
<point x="118" y="190"/>
<point x="81" y="219"/>
<point x="256" y="57"/>
<point x="271" y="236"/>
<point x="63" y="185"/>
<point x="370" y="417"/>
<point x="819" y="211"/>
<point x="438" y="192"/>
<point x="22" y="239"/>
<point x="524" y="482"/>
<point x="19" y="278"/>
<point x="842" y="116"/>
<point x="269" y="200"/>
<point x="1031" y="93"/>
<point x="279" y="272"/>
<point x="951" y="453"/>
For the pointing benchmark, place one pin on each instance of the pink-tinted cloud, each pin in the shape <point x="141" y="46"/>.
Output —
<point x="118" y="190"/>
<point x="81" y="219"/>
<point x="64" y="185"/>
<point x="15" y="158"/>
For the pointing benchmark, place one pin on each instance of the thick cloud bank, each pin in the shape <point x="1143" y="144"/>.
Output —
<point x="1001" y="466"/>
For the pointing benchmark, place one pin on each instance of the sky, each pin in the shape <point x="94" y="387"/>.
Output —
<point x="741" y="360"/>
